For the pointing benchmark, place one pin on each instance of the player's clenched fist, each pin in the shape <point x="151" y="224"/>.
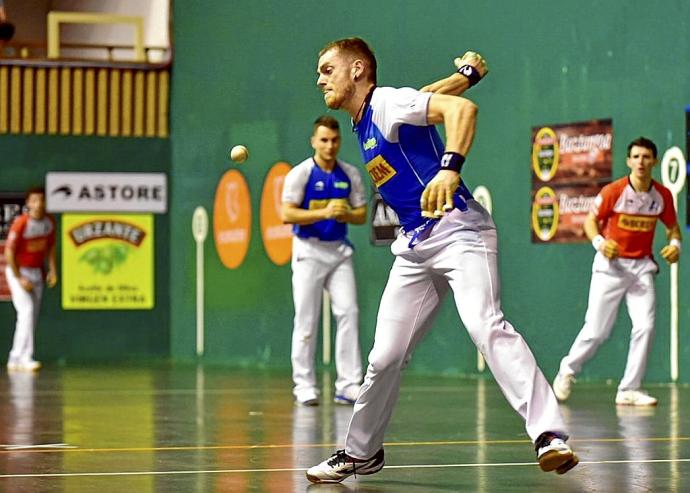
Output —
<point x="437" y="197"/>
<point x="610" y="249"/>
<point x="472" y="59"/>
<point x="337" y="209"/>
<point x="670" y="253"/>
<point x="471" y="68"/>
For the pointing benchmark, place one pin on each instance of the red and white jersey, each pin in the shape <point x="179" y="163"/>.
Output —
<point x="31" y="239"/>
<point x="629" y="217"/>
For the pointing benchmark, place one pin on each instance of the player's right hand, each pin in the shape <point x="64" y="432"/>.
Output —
<point x="26" y="284"/>
<point x="610" y="249"/>
<point x="437" y="197"/>
<point x="336" y="209"/>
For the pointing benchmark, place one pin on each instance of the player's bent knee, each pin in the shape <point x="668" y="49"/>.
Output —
<point x="381" y="361"/>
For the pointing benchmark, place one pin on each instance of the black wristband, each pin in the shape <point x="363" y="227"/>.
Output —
<point x="452" y="161"/>
<point x="471" y="73"/>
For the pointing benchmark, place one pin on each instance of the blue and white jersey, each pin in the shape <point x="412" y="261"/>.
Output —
<point x="402" y="151"/>
<point x="310" y="187"/>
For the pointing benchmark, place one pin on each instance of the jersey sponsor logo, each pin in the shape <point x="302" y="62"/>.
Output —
<point x="343" y="185"/>
<point x="380" y="171"/>
<point x="34" y="246"/>
<point x="318" y="204"/>
<point x="370" y="144"/>
<point x="636" y="223"/>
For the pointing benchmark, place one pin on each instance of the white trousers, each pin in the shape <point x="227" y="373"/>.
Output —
<point x="611" y="280"/>
<point x="27" y="305"/>
<point x="319" y="265"/>
<point x="460" y="253"/>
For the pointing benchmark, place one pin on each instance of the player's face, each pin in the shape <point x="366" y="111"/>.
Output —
<point x="641" y="161"/>
<point x="36" y="203"/>
<point x="326" y="143"/>
<point x="335" y="78"/>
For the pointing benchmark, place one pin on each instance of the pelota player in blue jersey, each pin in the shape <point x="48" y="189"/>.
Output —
<point x="448" y="241"/>
<point x="321" y="196"/>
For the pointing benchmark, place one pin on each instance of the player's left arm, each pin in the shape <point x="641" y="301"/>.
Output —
<point x="459" y="116"/>
<point x="357" y="215"/>
<point x="471" y="68"/>
<point x="671" y="252"/>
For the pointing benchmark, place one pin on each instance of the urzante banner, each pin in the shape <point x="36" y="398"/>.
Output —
<point x="570" y="164"/>
<point x="107" y="261"/>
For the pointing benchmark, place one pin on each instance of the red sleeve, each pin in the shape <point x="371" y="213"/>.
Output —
<point x="604" y="202"/>
<point x="16" y="231"/>
<point x="668" y="215"/>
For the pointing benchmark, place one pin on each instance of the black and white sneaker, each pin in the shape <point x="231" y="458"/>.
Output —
<point x="554" y="454"/>
<point x="340" y="466"/>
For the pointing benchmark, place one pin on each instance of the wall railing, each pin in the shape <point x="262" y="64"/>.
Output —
<point x="80" y="97"/>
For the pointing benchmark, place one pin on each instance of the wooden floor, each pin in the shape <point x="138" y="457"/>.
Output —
<point x="124" y="429"/>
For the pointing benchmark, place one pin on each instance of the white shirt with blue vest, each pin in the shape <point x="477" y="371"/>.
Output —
<point x="403" y="152"/>
<point x="310" y="187"/>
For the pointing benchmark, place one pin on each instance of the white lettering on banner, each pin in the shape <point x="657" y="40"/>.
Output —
<point x="278" y="232"/>
<point x="584" y="143"/>
<point x="232" y="236"/>
<point x="575" y="205"/>
<point x="111" y="192"/>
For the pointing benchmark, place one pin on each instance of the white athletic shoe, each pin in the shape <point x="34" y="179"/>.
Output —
<point x="554" y="454"/>
<point x="30" y="365"/>
<point x="347" y="397"/>
<point x="634" y="398"/>
<point x="340" y="466"/>
<point x="562" y="385"/>
<point x="307" y="397"/>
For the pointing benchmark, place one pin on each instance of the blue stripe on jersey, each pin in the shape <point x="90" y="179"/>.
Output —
<point x="321" y="187"/>
<point x="401" y="170"/>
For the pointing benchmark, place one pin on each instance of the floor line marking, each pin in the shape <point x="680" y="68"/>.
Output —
<point x="288" y="469"/>
<point x="184" y="448"/>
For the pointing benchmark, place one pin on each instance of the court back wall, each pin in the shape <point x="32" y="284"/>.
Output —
<point x="101" y="335"/>
<point x="245" y="72"/>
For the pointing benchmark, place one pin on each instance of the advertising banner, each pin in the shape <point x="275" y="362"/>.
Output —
<point x="11" y="204"/>
<point x="570" y="164"/>
<point x="385" y="224"/>
<point x="687" y="154"/>
<point x="107" y="262"/>
<point x="232" y="219"/>
<point x="106" y="192"/>
<point x="276" y="235"/>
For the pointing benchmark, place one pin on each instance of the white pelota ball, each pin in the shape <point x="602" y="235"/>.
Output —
<point x="239" y="154"/>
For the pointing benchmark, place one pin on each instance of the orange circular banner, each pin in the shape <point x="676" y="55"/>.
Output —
<point x="276" y="235"/>
<point x="232" y="219"/>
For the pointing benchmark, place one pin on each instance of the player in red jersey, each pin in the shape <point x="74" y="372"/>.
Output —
<point x="30" y="242"/>
<point x="621" y="227"/>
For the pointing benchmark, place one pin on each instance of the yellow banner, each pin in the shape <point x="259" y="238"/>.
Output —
<point x="107" y="261"/>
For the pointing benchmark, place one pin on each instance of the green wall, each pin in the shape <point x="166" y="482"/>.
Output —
<point x="75" y="336"/>
<point x="245" y="73"/>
